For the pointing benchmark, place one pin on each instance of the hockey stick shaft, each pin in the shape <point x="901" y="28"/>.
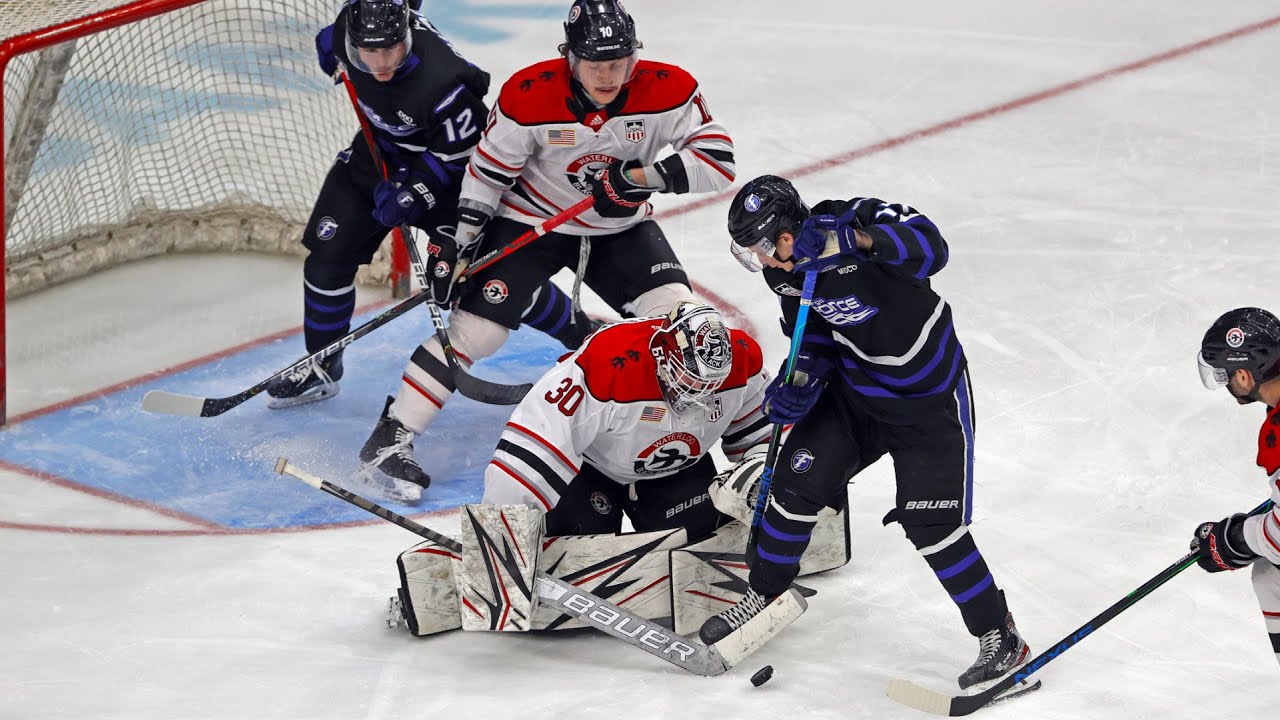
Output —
<point x="775" y="437"/>
<point x="955" y="706"/>
<point x="469" y="385"/>
<point x="597" y="612"/>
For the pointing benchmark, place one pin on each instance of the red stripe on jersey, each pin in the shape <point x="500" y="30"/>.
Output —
<point x="497" y="162"/>
<point x="422" y="391"/>
<point x="1271" y="614"/>
<point x="529" y="186"/>
<point x="523" y="482"/>
<point x="535" y="436"/>
<point x="708" y="136"/>
<point x="712" y="163"/>
<point x="471" y="168"/>
<point x="753" y="412"/>
<point x="1266" y="531"/>
<point x="537" y="216"/>
<point x="646" y="587"/>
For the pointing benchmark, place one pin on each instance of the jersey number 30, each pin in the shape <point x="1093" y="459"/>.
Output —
<point x="567" y="397"/>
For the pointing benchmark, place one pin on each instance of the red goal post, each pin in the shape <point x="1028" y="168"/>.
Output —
<point x="133" y="129"/>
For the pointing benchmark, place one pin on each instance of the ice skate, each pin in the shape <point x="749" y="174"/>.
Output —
<point x="1000" y="651"/>
<point x="718" y="627"/>
<point x="313" y="382"/>
<point x="389" y="468"/>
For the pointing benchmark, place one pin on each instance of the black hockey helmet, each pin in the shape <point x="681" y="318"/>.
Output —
<point x="762" y="208"/>
<point x="599" y="30"/>
<point x="377" y="23"/>
<point x="1245" y="338"/>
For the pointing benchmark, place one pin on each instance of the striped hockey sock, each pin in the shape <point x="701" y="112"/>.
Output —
<point x="959" y="566"/>
<point x="326" y="314"/>
<point x="552" y="312"/>
<point x="784" y="535"/>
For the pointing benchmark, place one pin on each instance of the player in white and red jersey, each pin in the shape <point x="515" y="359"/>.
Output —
<point x="589" y="123"/>
<point x="626" y="424"/>
<point x="1241" y="352"/>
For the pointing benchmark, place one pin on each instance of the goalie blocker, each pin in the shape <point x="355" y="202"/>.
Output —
<point x="661" y="576"/>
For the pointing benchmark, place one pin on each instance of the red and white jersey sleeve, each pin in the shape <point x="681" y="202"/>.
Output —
<point x="749" y="429"/>
<point x="1262" y="532"/>
<point x="536" y="150"/>
<point x="602" y="406"/>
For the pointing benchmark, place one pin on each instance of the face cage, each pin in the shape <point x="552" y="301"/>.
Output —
<point x="353" y="52"/>
<point x="1213" y="378"/>
<point x="633" y="58"/>
<point x="683" y="390"/>
<point x="747" y="256"/>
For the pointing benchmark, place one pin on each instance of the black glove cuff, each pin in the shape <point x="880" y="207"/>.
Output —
<point x="1234" y="535"/>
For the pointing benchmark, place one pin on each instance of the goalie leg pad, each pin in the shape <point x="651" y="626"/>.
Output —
<point x="428" y="589"/>
<point x="500" y="548"/>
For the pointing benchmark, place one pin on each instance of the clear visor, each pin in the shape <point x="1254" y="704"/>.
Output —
<point x="603" y="73"/>
<point x="749" y="257"/>
<point x="380" y="61"/>
<point x="684" y="389"/>
<point x="1211" y="377"/>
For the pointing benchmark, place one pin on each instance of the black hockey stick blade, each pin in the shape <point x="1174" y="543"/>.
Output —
<point x="489" y="392"/>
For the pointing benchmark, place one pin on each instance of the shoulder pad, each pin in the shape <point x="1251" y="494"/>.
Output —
<point x="617" y="365"/>
<point x="538" y="94"/>
<point x="657" y="88"/>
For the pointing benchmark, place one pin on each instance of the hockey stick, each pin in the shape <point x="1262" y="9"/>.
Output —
<point x="169" y="403"/>
<point x="685" y="653"/>
<point x="469" y="385"/>
<point x="912" y="695"/>
<point x="775" y="438"/>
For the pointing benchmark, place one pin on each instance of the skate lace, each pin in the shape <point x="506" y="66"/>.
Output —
<point x="402" y="448"/>
<point x="750" y="606"/>
<point x="989" y="646"/>
<point x="301" y="374"/>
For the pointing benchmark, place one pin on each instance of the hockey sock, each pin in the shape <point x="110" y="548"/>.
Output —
<point x="784" y="535"/>
<point x="326" y="314"/>
<point x="425" y="387"/>
<point x="955" y="559"/>
<point x="552" y="313"/>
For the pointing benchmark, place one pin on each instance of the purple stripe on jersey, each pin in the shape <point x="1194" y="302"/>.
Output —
<point x="948" y="334"/>
<point x="927" y="264"/>
<point x="877" y="391"/>
<point x="784" y="537"/>
<point x="449" y="98"/>
<point x="778" y="559"/>
<point x="817" y="339"/>
<point x="436" y="167"/>
<point x="972" y="592"/>
<point x="897" y="241"/>
<point x="964" y="404"/>
<point x="959" y="567"/>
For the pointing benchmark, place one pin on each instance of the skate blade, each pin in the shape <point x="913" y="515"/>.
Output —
<point x="373" y="481"/>
<point x="315" y="394"/>
<point x="1016" y="691"/>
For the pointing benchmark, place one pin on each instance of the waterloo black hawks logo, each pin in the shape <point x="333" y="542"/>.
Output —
<point x="668" y="454"/>
<point x="711" y="347"/>
<point x="579" y="169"/>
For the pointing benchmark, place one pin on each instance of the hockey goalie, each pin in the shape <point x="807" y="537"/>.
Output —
<point x="624" y="426"/>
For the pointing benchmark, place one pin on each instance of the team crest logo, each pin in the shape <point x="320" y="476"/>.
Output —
<point x="801" y="461"/>
<point x="753" y="202"/>
<point x="586" y="166"/>
<point x="574" y="12"/>
<point x="1235" y="337"/>
<point x="635" y="130"/>
<point x="599" y="501"/>
<point x="710" y="347"/>
<point x="495" y="291"/>
<point x="441" y="269"/>
<point x="668" y="454"/>
<point x="326" y="228"/>
<point x="716" y="411"/>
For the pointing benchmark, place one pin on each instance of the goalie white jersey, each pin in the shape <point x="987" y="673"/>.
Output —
<point x="541" y="141"/>
<point x="602" y="405"/>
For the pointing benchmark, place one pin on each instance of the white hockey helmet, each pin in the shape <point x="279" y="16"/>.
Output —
<point x="693" y="353"/>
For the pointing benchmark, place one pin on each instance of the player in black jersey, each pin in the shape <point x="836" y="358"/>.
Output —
<point x="880" y="371"/>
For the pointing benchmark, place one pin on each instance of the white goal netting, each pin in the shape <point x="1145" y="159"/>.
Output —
<point x="208" y="127"/>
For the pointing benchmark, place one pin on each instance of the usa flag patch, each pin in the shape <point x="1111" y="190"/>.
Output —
<point x="653" y="414"/>
<point x="565" y="136"/>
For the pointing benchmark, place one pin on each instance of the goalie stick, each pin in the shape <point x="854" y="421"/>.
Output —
<point x="937" y="703"/>
<point x="685" y="653"/>
<point x="170" y="403"/>
<point x="484" y="391"/>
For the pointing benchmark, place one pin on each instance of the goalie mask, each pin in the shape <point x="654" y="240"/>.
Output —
<point x="378" y="38"/>
<point x="694" y="355"/>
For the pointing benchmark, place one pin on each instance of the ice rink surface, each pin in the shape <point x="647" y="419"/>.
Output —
<point x="1106" y="175"/>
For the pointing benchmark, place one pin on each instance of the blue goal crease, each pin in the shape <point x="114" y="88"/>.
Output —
<point x="220" y="469"/>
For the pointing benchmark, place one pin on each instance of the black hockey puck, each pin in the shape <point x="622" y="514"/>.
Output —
<point x="762" y="675"/>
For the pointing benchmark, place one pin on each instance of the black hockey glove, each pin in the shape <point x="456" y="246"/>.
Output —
<point x="402" y="200"/>
<point x="442" y="266"/>
<point x="1221" y="545"/>
<point x="614" y="194"/>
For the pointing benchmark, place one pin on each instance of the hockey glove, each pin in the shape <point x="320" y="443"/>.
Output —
<point x="824" y="240"/>
<point x="405" y="199"/>
<point x="614" y="194"/>
<point x="324" y="51"/>
<point x="786" y="403"/>
<point x="1221" y="545"/>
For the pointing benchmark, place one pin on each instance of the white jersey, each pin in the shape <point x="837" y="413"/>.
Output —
<point x="1262" y="532"/>
<point x="602" y="406"/>
<point x="540" y="143"/>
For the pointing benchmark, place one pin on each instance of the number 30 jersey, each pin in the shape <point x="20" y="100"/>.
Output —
<point x="602" y="405"/>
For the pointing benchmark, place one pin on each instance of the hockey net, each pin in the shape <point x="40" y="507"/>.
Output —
<point x="133" y="129"/>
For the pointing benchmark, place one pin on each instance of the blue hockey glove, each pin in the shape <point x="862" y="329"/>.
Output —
<point x="614" y="195"/>
<point x="1221" y="545"/>
<point x="324" y="51"/>
<point x="786" y="403"/>
<point x="403" y="200"/>
<point x="812" y="242"/>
